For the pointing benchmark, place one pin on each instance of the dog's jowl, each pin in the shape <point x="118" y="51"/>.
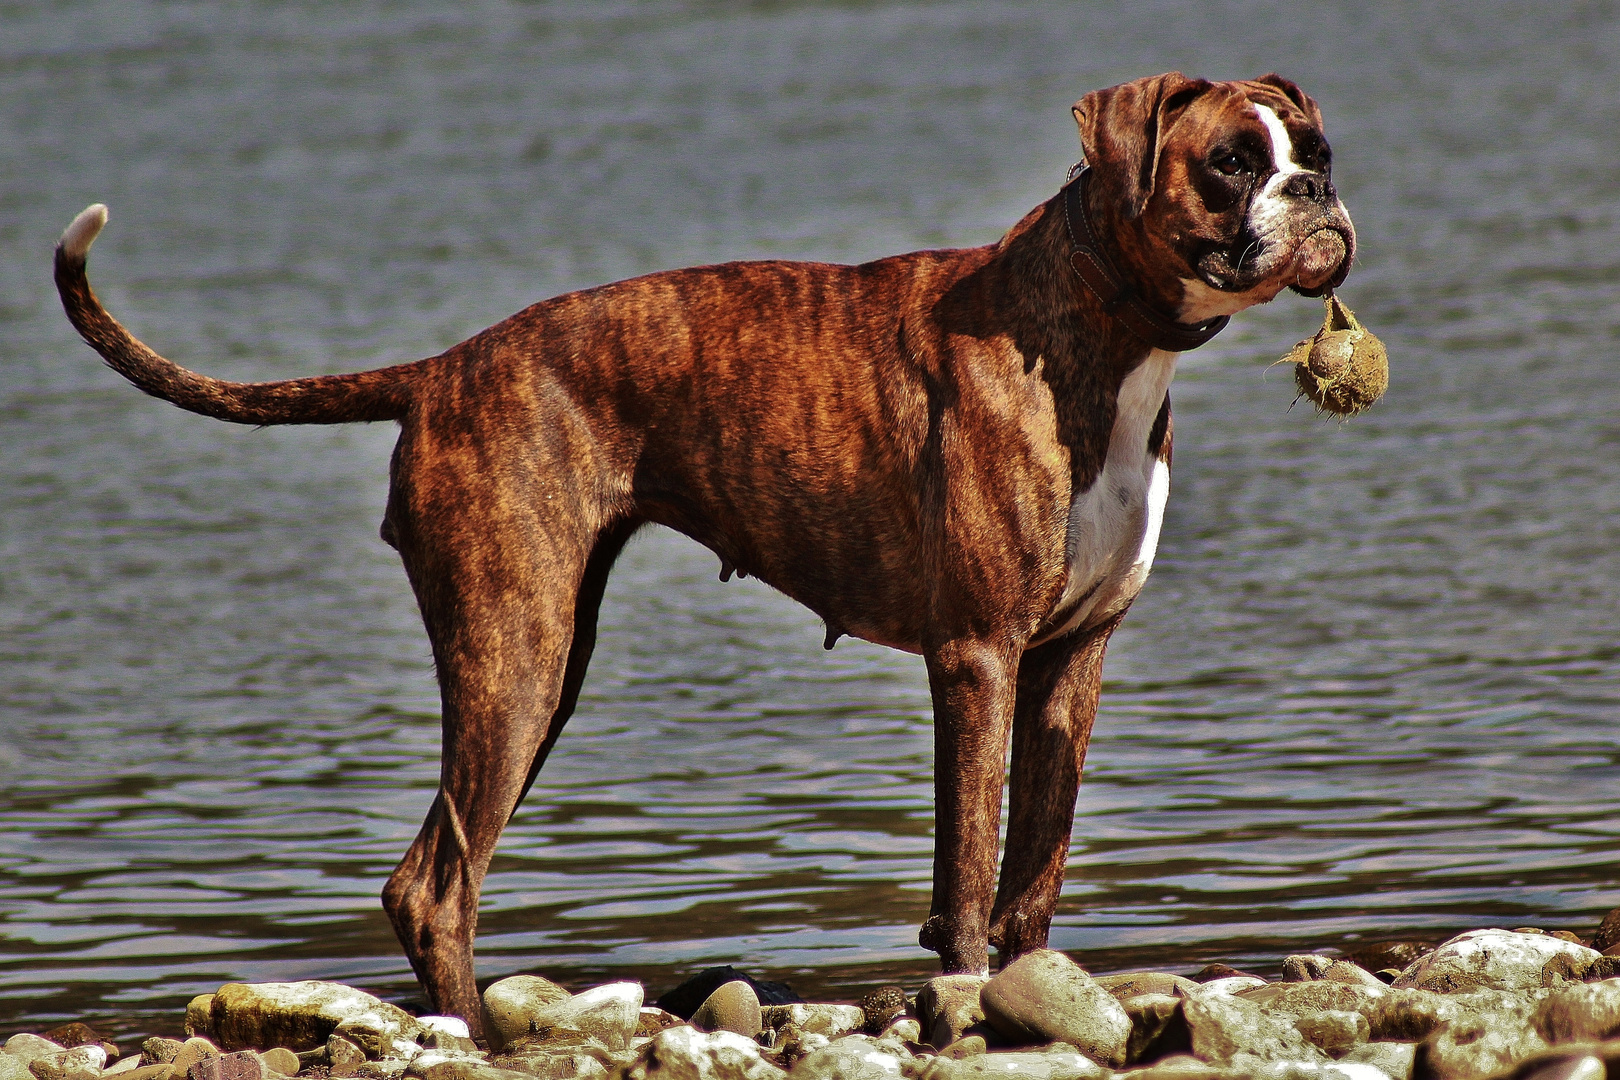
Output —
<point x="964" y="454"/>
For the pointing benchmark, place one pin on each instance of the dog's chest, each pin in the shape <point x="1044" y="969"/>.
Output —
<point x="1114" y="523"/>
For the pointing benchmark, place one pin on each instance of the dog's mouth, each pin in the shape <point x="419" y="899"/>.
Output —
<point x="1319" y="262"/>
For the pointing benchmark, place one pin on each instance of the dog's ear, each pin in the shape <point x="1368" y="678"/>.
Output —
<point x="1121" y="129"/>
<point x="1292" y="92"/>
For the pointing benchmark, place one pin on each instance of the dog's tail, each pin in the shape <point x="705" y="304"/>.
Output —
<point x="383" y="394"/>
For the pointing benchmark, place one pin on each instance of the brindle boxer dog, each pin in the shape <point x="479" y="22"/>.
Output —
<point x="963" y="454"/>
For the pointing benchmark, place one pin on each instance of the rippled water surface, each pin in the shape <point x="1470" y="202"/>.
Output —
<point x="1371" y="691"/>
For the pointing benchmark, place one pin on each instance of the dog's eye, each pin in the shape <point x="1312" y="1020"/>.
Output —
<point x="1228" y="163"/>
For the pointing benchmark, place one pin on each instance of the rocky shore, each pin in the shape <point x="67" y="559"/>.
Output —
<point x="1519" y="1004"/>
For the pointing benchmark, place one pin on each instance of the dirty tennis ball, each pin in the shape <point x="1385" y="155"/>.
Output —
<point x="1344" y="368"/>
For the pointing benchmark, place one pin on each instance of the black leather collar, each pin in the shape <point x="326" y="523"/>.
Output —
<point x="1119" y="299"/>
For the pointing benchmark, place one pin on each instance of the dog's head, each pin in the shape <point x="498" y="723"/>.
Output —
<point x="1224" y="189"/>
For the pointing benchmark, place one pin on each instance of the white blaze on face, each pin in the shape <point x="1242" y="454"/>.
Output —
<point x="1271" y="204"/>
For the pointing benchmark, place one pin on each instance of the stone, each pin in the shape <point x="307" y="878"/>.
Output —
<point x="298" y="1015"/>
<point x="240" y="1065"/>
<point x="1158" y="1028"/>
<point x="1491" y="959"/>
<point x="511" y="1003"/>
<point x="1393" y="1059"/>
<point x="433" y="1066"/>
<point x="73" y="1034"/>
<point x="1050" y="1064"/>
<point x="832" y="1021"/>
<point x="378" y="1040"/>
<point x="443" y="1040"/>
<point x="684" y="1053"/>
<point x="29" y="1047"/>
<point x="1044" y="997"/>
<point x="149" y="1072"/>
<point x="1211" y="972"/>
<point x="1326" y="968"/>
<point x="1582" y="1012"/>
<point x="881" y="1006"/>
<point x="607" y="1013"/>
<point x="1580" y="1061"/>
<point x="454" y="1026"/>
<point x="853" y="1057"/>
<point x="903" y="1029"/>
<point x="1604" y="967"/>
<point x="343" y="1054"/>
<point x="563" y="1065"/>
<point x="1222" y="1029"/>
<point x="281" y="1061"/>
<point x="78" y="1063"/>
<point x="1135" y="983"/>
<point x="1235" y="984"/>
<point x="159" y="1051"/>
<point x="1400" y="953"/>
<point x="949" y="1005"/>
<point x="15" y="1068"/>
<point x="199" y="1017"/>
<point x="1470" y="1048"/>
<point x="1608" y="932"/>
<point x="965" y="1047"/>
<point x="651" y="1020"/>
<point x="732" y="1007"/>
<point x="684" y="1000"/>
<point x="1335" y="1032"/>
<point x="192" y="1051"/>
<point x="124" y="1067"/>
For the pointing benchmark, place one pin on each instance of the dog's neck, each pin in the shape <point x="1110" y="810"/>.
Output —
<point x="1121" y="297"/>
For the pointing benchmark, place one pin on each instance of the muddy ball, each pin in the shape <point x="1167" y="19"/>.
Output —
<point x="1344" y="368"/>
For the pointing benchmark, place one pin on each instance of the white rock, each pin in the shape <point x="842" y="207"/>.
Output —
<point x="448" y="1025"/>
<point x="1493" y="959"/>
<point x="129" y="1064"/>
<point x="829" y="1020"/>
<point x="684" y="1053"/>
<point x="606" y="1012"/>
<point x="29" y="1047"/>
<point x="1232" y="984"/>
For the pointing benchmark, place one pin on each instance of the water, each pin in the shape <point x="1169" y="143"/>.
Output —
<point x="1371" y="690"/>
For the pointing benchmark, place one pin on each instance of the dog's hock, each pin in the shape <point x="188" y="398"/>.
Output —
<point x="77" y="237"/>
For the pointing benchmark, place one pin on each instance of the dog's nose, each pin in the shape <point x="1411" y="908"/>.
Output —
<point x="1309" y="185"/>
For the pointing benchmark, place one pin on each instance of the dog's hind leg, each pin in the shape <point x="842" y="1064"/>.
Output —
<point x="1058" y="687"/>
<point x="498" y="599"/>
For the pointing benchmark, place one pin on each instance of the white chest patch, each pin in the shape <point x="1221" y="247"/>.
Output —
<point x="1114" y="523"/>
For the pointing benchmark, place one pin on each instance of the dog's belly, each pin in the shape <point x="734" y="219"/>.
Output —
<point x="1114" y="523"/>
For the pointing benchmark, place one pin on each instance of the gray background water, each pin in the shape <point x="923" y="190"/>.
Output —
<point x="1371" y="690"/>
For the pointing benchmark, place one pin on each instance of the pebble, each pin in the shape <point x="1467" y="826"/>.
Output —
<point x="1520" y="1004"/>
<point x="1044" y="997"/>
<point x="732" y="1007"/>
<point x="511" y="1003"/>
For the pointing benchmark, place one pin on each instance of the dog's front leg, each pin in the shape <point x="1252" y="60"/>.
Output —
<point x="1058" y="687"/>
<point x="972" y="684"/>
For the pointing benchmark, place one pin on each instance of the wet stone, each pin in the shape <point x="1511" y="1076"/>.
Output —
<point x="241" y="1065"/>
<point x="510" y="1005"/>
<point x="298" y="1015"/>
<point x="948" y="1005"/>
<point x="160" y="1051"/>
<point x="280" y="1060"/>
<point x="881" y="1006"/>
<point x="1309" y="968"/>
<point x="192" y="1051"/>
<point x="28" y="1047"/>
<point x="71" y="1035"/>
<point x="732" y="1007"/>
<point x="1335" y="1032"/>
<point x="1044" y="997"/>
<point x="684" y="1053"/>
<point x="1158" y="1028"/>
<point x="1137" y="983"/>
<point x="78" y="1063"/>
<point x="832" y="1021"/>
<point x="1490" y="959"/>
